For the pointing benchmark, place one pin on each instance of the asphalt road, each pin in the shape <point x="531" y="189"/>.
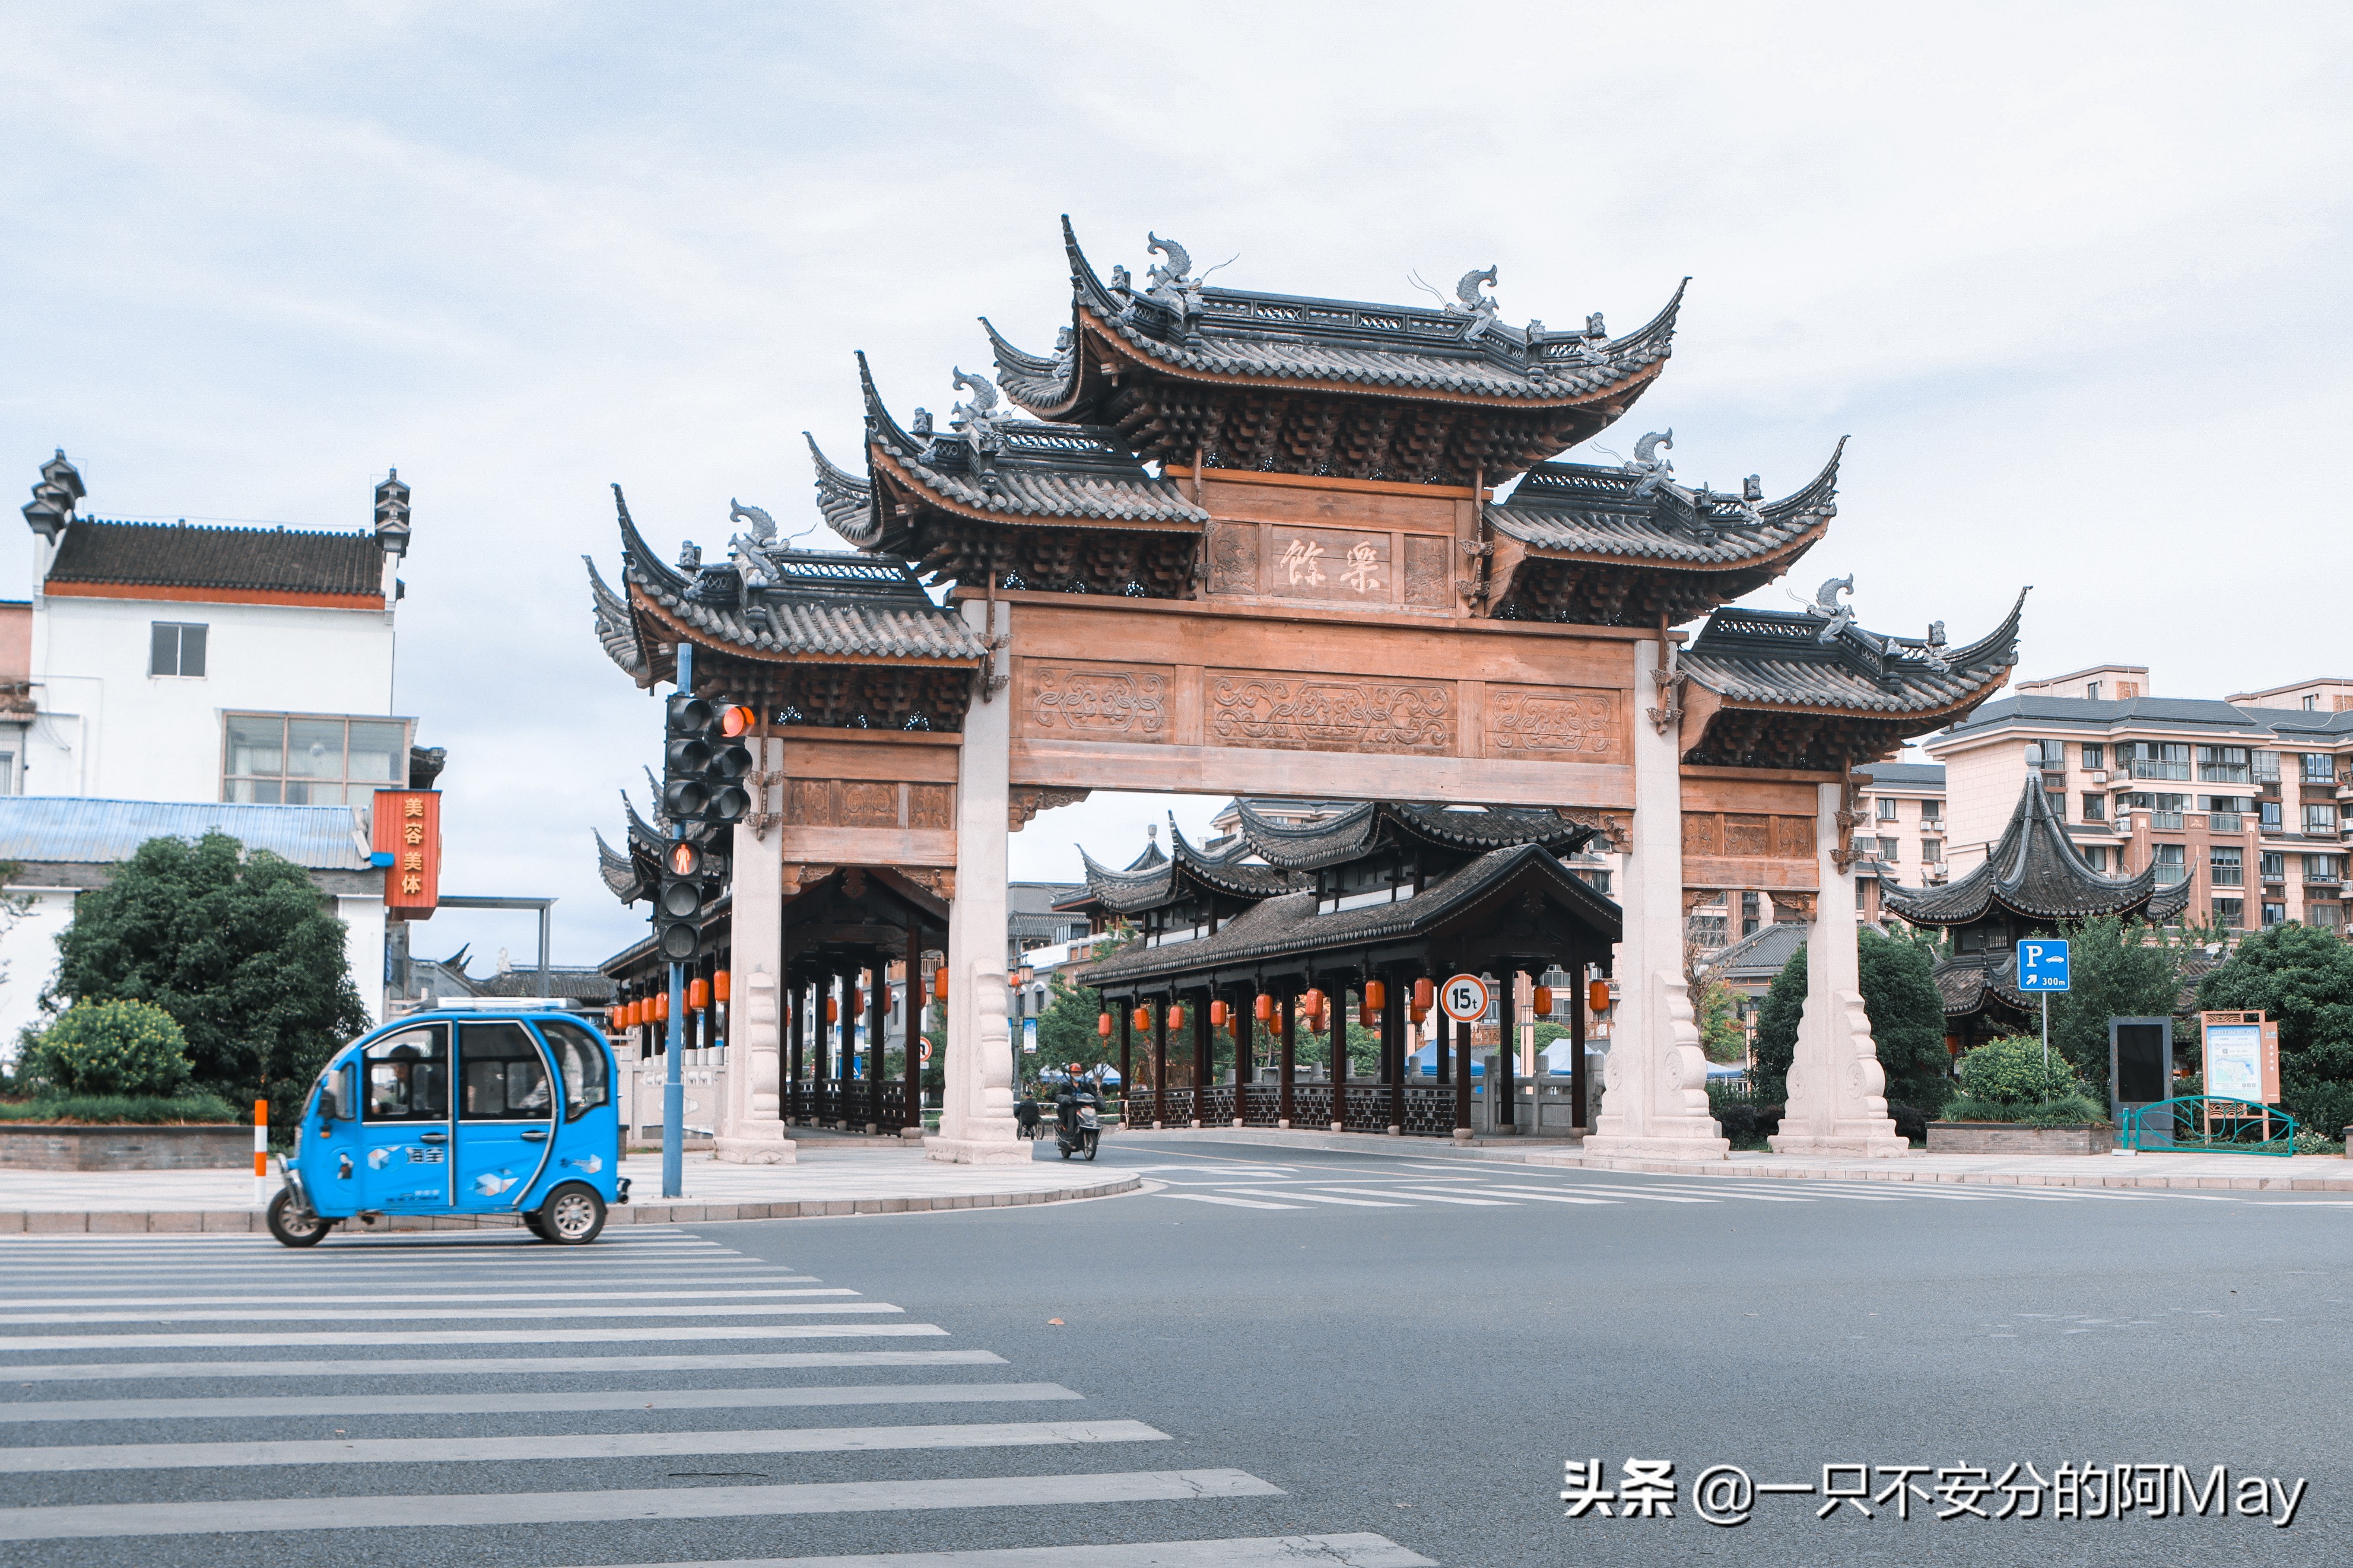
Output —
<point x="1393" y="1353"/>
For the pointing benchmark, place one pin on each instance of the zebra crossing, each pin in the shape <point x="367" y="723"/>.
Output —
<point x="1398" y="1183"/>
<point x="184" y="1400"/>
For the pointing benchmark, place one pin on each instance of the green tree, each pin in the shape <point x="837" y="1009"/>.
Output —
<point x="239" y="948"/>
<point x="2117" y="969"/>
<point x="1717" y="1011"/>
<point x="2302" y="978"/>
<point x="1908" y="1022"/>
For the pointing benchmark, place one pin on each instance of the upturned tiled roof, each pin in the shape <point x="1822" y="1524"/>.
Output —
<point x="1575" y="509"/>
<point x="844" y="604"/>
<point x="1776" y="657"/>
<point x="623" y="874"/>
<point x="254" y="560"/>
<point x="1290" y="926"/>
<point x="1399" y="348"/>
<point x="1037" y="472"/>
<point x="2037" y="873"/>
<point x="1150" y="883"/>
<point x="1361" y="829"/>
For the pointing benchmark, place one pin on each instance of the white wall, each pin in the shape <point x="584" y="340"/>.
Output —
<point x="111" y="729"/>
<point x="364" y="924"/>
<point x="28" y="950"/>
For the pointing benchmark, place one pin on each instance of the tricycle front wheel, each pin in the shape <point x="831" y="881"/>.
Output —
<point x="296" y="1226"/>
<point x="572" y="1215"/>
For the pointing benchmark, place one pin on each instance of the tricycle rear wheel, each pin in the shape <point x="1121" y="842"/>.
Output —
<point x="572" y="1215"/>
<point x="293" y="1226"/>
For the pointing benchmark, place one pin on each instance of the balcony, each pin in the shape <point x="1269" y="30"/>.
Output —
<point x="2166" y="822"/>
<point x="2225" y="822"/>
<point x="2161" y="770"/>
<point x="2227" y="877"/>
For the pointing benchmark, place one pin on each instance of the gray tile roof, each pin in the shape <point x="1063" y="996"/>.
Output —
<point x="1906" y="775"/>
<point x="2035" y="872"/>
<point x="269" y="560"/>
<point x="1577" y="509"/>
<point x="2286" y="724"/>
<point x="1404" y="348"/>
<point x="1289" y="926"/>
<point x="1185" y="871"/>
<point x="843" y="603"/>
<point x="1774" y="657"/>
<point x="1763" y="953"/>
<point x="1364" y="827"/>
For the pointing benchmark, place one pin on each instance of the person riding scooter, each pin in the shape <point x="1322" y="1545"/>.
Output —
<point x="1026" y="1113"/>
<point x="1077" y="1125"/>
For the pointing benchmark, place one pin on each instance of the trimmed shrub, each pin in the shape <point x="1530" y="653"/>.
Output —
<point x="120" y="1048"/>
<point x="2012" y="1071"/>
<point x="115" y="1109"/>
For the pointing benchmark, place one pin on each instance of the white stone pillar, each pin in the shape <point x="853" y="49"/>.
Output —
<point x="750" y="1124"/>
<point x="977" y="1123"/>
<point x="1838" y="1102"/>
<point x="1655" y="1075"/>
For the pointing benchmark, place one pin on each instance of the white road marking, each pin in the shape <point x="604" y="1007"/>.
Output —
<point x="1428" y="1197"/>
<point x="479" y="1366"/>
<point x="373" y="1301"/>
<point x="1546" y="1196"/>
<point x="460" y="1337"/>
<point x="1236" y="1203"/>
<point x="1328" y="1198"/>
<point x="97" y="1520"/>
<point x="263" y="1314"/>
<point x="1651" y="1194"/>
<point x="1354" y="1549"/>
<point x="279" y="1407"/>
<point x="48" y="1461"/>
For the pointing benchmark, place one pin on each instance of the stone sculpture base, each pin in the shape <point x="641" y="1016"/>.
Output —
<point x="756" y="1148"/>
<point x="977" y="1151"/>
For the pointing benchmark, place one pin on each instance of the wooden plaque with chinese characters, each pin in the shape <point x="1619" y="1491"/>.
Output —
<point x="407" y="826"/>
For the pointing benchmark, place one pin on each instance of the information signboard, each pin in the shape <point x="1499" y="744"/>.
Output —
<point x="2240" y="1054"/>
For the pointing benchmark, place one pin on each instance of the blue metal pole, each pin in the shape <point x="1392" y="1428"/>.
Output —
<point x="673" y="1085"/>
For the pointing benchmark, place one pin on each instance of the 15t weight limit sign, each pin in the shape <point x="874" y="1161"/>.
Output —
<point x="1464" y="998"/>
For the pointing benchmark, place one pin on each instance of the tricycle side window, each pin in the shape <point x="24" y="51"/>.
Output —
<point x="581" y="1056"/>
<point x="409" y="1075"/>
<point x="505" y="1076"/>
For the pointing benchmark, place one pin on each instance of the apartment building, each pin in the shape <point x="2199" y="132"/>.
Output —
<point x="1902" y="834"/>
<point x="2245" y="799"/>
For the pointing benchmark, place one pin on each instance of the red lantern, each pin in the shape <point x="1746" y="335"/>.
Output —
<point x="1142" y="1018"/>
<point x="1542" y="998"/>
<point x="940" y="984"/>
<point x="1425" y="996"/>
<point x="1376" y="996"/>
<point x="1176" y="1016"/>
<point x="1597" y="996"/>
<point x="833" y="1009"/>
<point x="857" y="1001"/>
<point x="1313" y="1003"/>
<point x="1418" y="1015"/>
<point x="697" y="995"/>
<point x="719" y="985"/>
<point x="1103" y="1026"/>
<point x="661" y="1009"/>
<point x="1216" y="1015"/>
<point x="1263" y="1007"/>
<point x="1367" y="1014"/>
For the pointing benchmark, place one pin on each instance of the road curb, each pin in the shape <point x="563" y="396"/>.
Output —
<point x="22" y="1222"/>
<point x="1896" y="1169"/>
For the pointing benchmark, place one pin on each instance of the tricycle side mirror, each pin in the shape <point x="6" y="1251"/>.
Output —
<point x="338" y="1102"/>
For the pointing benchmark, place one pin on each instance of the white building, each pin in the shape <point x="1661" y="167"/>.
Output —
<point x="158" y="662"/>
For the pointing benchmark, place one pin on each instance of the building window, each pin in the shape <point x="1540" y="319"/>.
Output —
<point x="2320" y="822"/>
<point x="2273" y="865"/>
<point x="2091" y="694"/>
<point x="2058" y="801"/>
<point x="1596" y="880"/>
<point x="2169" y="863"/>
<point x="2095" y="856"/>
<point x="1932" y="814"/>
<point x="1885" y="809"/>
<point x="2156" y="759"/>
<point x="2231" y="912"/>
<point x="280" y="759"/>
<point x="2271" y="817"/>
<point x="2096" y="808"/>
<point x="2324" y="917"/>
<point x="2227" y="867"/>
<point x="1862" y="895"/>
<point x="2319" y="767"/>
<point x="2267" y="767"/>
<point x="2324" y="868"/>
<point x="2311" y="704"/>
<point x="2095" y="755"/>
<point x="1932" y="851"/>
<point x="1751" y="915"/>
<point x="2274" y="914"/>
<point x="175" y="648"/>
<point x="2224" y="764"/>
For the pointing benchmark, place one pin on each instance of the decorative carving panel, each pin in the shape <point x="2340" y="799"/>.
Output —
<point x="1748" y="836"/>
<point x="1096" y="702"/>
<point x="868" y="803"/>
<point x="1425" y="571"/>
<point x="1328" y="713"/>
<point x="1551" y="721"/>
<point x="1233" y="559"/>
<point x="1793" y="837"/>
<point x="930" y="805"/>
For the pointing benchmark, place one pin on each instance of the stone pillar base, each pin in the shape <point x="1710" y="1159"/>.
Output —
<point x="1463" y="1135"/>
<point x="1873" y="1142"/>
<point x="912" y="1134"/>
<point x="773" y="1149"/>
<point x="976" y="1150"/>
<point x="1195" y="1122"/>
<point x="1620" y="1147"/>
<point x="1394" y="1130"/>
<point x="1238" y="1122"/>
<point x="1284" y="1124"/>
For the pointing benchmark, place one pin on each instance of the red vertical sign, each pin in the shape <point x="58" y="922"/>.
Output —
<point x="408" y="828"/>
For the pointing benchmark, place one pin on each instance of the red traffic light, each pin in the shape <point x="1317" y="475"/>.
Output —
<point x="736" y="719"/>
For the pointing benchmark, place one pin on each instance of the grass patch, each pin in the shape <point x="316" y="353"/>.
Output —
<point x="121" y="1110"/>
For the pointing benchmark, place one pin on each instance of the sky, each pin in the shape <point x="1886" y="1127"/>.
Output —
<point x="2072" y="279"/>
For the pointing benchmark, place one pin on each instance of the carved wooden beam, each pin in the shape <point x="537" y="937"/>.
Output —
<point x="1026" y="801"/>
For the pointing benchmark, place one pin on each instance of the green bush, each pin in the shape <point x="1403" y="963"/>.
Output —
<point x="2012" y="1071"/>
<point x="119" y="1047"/>
<point x="2058" y="1110"/>
<point x="119" y="1110"/>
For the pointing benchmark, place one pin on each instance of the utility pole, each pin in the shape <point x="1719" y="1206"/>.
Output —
<point x="674" y="1041"/>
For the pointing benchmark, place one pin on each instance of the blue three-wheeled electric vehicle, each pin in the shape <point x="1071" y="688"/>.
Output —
<point x="460" y="1113"/>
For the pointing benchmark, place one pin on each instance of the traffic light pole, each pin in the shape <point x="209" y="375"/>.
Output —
<point x="673" y="1083"/>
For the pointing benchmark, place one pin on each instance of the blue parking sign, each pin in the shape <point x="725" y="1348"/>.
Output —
<point x="2043" y="964"/>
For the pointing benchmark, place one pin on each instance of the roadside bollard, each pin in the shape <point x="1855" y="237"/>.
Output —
<point x="260" y="1152"/>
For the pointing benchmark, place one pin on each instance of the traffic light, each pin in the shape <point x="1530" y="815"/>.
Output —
<point x="679" y="903"/>
<point x="704" y="760"/>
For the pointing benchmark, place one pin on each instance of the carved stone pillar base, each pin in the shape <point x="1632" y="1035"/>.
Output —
<point x="976" y="1151"/>
<point x="758" y="1149"/>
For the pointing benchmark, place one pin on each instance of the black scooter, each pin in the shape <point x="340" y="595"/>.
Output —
<point x="1079" y="1126"/>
